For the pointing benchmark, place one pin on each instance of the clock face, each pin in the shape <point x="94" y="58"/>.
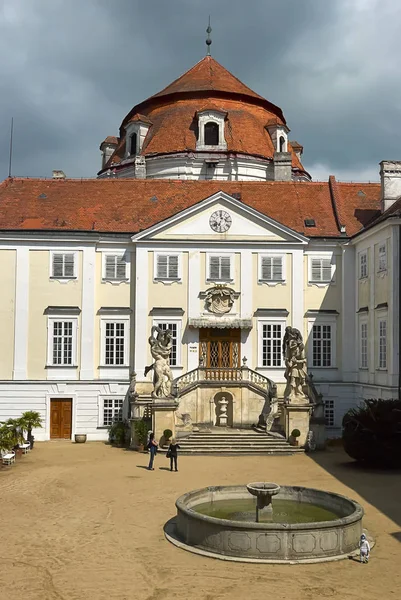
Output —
<point x="220" y="221"/>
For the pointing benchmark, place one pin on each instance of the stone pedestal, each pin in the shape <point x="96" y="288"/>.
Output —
<point x="223" y="417"/>
<point x="297" y="416"/>
<point x="163" y="416"/>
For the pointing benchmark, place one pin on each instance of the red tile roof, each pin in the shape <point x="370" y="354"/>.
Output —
<point x="132" y="205"/>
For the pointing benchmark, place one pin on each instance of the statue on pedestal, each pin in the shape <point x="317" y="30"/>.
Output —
<point x="160" y="349"/>
<point x="295" y="362"/>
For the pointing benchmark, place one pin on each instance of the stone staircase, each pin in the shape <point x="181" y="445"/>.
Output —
<point x="222" y="441"/>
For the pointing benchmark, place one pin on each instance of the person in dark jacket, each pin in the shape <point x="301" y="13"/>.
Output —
<point x="173" y="453"/>
<point x="152" y="447"/>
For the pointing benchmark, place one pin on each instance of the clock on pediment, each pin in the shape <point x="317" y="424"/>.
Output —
<point x="220" y="221"/>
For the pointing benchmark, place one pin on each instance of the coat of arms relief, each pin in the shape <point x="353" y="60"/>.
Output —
<point x="219" y="300"/>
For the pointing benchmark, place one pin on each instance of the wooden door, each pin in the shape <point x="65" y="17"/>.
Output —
<point x="220" y="348"/>
<point x="60" y="418"/>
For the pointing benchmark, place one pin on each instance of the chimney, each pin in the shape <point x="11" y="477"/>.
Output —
<point x="59" y="175"/>
<point x="282" y="164"/>
<point x="390" y="179"/>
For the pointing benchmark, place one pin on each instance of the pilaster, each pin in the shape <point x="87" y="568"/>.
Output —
<point x="21" y="310"/>
<point x="88" y="313"/>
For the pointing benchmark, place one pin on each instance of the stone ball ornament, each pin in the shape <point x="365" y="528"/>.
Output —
<point x="220" y="221"/>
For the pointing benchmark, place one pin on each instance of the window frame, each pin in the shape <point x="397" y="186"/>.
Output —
<point x="380" y="256"/>
<point x="64" y="278"/>
<point x="50" y="341"/>
<point x="261" y="324"/>
<point x="119" y="253"/>
<point x="333" y="263"/>
<point x="324" y="321"/>
<point x="363" y="364"/>
<point x="156" y="254"/>
<point x="103" y="327"/>
<point x="209" y="255"/>
<point x="101" y="409"/>
<point x="382" y="367"/>
<point x="263" y="255"/>
<point x="330" y="412"/>
<point x="178" y="322"/>
<point x="211" y="116"/>
<point x="363" y="255"/>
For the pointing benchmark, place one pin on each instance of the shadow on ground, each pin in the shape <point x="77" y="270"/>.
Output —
<point x="378" y="487"/>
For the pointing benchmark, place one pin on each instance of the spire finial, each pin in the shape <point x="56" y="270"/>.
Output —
<point x="209" y="40"/>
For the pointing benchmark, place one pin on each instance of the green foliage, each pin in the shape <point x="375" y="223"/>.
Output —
<point x="30" y="419"/>
<point x="141" y="431"/>
<point x="167" y="433"/>
<point x="372" y="433"/>
<point x="119" y="433"/>
<point x="13" y="432"/>
<point x="6" y="438"/>
<point x="295" y="433"/>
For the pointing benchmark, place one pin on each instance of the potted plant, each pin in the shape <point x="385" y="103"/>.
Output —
<point x="141" y="432"/>
<point x="295" y="433"/>
<point x="167" y="435"/>
<point x="6" y="439"/>
<point x="80" y="438"/>
<point x="15" y="434"/>
<point x="118" y="433"/>
<point x="30" y="419"/>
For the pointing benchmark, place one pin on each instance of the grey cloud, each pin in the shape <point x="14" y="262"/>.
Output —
<point x="72" y="70"/>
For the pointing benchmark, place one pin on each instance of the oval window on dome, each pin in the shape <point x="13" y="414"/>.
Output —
<point x="211" y="134"/>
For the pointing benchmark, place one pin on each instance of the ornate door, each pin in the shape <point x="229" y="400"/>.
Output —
<point x="60" y="418"/>
<point x="220" y="348"/>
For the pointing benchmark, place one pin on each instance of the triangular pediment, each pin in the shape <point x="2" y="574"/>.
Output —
<point x="221" y="218"/>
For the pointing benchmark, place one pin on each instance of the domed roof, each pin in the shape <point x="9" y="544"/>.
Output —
<point x="172" y="115"/>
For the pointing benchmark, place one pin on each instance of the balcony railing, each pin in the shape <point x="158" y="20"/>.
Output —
<point x="208" y="375"/>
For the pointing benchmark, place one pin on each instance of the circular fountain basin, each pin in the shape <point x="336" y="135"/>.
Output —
<point x="308" y="525"/>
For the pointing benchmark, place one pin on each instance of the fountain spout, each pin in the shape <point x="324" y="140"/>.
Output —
<point x="263" y="493"/>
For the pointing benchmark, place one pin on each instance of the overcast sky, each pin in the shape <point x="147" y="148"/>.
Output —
<point x="71" y="69"/>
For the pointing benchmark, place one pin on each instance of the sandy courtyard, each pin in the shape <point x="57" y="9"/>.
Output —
<point x="86" y="521"/>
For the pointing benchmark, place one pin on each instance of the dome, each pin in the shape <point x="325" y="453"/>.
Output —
<point x="163" y="136"/>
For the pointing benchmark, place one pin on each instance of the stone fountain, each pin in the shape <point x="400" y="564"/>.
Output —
<point x="263" y="493"/>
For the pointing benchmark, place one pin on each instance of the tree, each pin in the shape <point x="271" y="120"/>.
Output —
<point x="30" y="420"/>
<point x="372" y="433"/>
<point x="15" y="435"/>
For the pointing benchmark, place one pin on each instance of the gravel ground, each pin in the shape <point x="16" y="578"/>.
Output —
<point x="86" y="522"/>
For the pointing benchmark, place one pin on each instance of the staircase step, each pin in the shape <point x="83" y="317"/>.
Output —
<point x="235" y="442"/>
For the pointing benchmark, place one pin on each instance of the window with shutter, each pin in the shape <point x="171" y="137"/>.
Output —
<point x="363" y="265"/>
<point x="220" y="268"/>
<point x="63" y="265"/>
<point x="272" y="268"/>
<point x="115" y="267"/>
<point x="382" y="258"/>
<point x="167" y="266"/>
<point x="321" y="270"/>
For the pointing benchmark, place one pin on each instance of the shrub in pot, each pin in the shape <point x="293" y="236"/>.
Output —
<point x="295" y="433"/>
<point x="119" y="433"/>
<point x="141" y="430"/>
<point x="30" y="419"/>
<point x="16" y="436"/>
<point x="372" y="433"/>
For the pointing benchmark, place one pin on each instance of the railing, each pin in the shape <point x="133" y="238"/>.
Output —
<point x="242" y="376"/>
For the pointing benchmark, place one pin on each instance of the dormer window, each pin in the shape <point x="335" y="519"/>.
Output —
<point x="279" y="135"/>
<point x="282" y="144"/>
<point x="133" y="144"/>
<point x="211" y="134"/>
<point x="211" y="130"/>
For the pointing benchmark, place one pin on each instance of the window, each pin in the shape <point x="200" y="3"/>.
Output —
<point x="211" y="134"/>
<point x="133" y="144"/>
<point x="112" y="410"/>
<point x="114" y="343"/>
<point x="271" y="268"/>
<point x="329" y="412"/>
<point x="219" y="268"/>
<point x="322" y="346"/>
<point x="167" y="266"/>
<point x="63" y="265"/>
<point x="62" y="342"/>
<point x="320" y="270"/>
<point x="173" y="326"/>
<point x="382" y="258"/>
<point x="363" y="265"/>
<point x="282" y="144"/>
<point x="115" y="267"/>
<point x="271" y="344"/>
<point x="364" y="346"/>
<point x="382" y="344"/>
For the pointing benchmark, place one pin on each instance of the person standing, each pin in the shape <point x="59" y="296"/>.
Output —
<point x="364" y="549"/>
<point x="152" y="447"/>
<point x="173" y="454"/>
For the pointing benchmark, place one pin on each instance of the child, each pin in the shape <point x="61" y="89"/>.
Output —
<point x="364" y="549"/>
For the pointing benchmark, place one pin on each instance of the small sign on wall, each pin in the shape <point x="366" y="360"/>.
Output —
<point x="193" y="348"/>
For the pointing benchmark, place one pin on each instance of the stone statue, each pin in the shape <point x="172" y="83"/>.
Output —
<point x="160" y="349"/>
<point x="295" y="362"/>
